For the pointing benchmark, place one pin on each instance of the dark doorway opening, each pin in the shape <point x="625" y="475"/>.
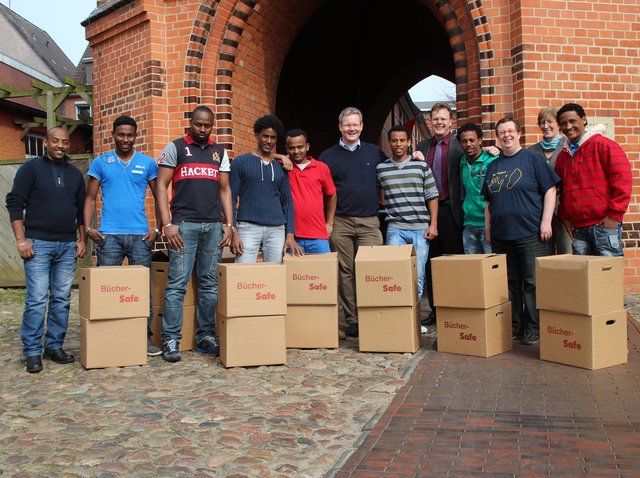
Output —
<point x="362" y="53"/>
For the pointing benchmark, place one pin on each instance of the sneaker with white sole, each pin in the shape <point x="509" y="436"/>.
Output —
<point x="152" y="350"/>
<point x="171" y="351"/>
<point x="208" y="345"/>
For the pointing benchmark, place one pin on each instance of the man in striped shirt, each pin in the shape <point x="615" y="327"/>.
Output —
<point x="410" y="197"/>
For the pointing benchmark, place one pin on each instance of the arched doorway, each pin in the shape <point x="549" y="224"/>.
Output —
<point x="360" y="53"/>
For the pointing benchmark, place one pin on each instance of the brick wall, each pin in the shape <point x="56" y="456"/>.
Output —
<point x="156" y="60"/>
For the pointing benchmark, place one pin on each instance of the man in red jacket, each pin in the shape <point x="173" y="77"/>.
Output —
<point x="595" y="187"/>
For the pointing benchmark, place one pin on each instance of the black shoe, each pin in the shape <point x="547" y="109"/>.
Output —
<point x="429" y="321"/>
<point x="530" y="338"/>
<point x="352" y="329"/>
<point x="34" y="364"/>
<point x="58" y="356"/>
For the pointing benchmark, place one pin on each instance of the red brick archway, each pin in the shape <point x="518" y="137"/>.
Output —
<point x="157" y="59"/>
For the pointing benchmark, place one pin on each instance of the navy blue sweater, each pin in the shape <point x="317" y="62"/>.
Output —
<point x="265" y="196"/>
<point x="355" y="177"/>
<point x="53" y="196"/>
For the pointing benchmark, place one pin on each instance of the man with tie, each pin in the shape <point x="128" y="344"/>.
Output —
<point x="443" y="153"/>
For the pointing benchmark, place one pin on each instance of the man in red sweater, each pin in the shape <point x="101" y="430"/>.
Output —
<point x="595" y="187"/>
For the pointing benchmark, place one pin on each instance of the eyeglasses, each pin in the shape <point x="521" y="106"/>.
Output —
<point x="546" y="122"/>
<point x="506" y="132"/>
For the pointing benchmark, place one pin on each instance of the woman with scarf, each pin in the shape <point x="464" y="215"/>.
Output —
<point x="550" y="147"/>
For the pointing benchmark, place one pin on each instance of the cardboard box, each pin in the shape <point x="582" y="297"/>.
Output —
<point x="386" y="276"/>
<point x="113" y="343"/>
<point x="312" y="279"/>
<point x="479" y="332"/>
<point x="474" y="281"/>
<point x="585" y="285"/>
<point x="312" y="327"/>
<point x="114" y="292"/>
<point x="246" y="290"/>
<point x="389" y="329"/>
<point x="159" y="279"/>
<point x="591" y="342"/>
<point x="251" y="341"/>
<point x="188" y="331"/>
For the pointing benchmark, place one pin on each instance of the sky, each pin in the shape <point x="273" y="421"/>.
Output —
<point x="61" y="20"/>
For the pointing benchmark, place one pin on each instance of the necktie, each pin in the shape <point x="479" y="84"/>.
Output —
<point x="436" y="168"/>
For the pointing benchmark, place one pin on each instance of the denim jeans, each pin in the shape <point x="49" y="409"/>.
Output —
<point x="598" y="241"/>
<point x="473" y="240"/>
<point x="314" y="246"/>
<point x="254" y="235"/>
<point x="521" y="276"/>
<point x="200" y="249"/>
<point x="397" y="236"/>
<point x="48" y="277"/>
<point x="115" y="247"/>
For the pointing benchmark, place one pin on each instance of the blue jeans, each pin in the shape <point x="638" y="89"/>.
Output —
<point x="314" y="246"/>
<point x="115" y="247"/>
<point x="598" y="241"/>
<point x="521" y="276"/>
<point x="397" y="236"/>
<point x="48" y="277"/>
<point x="473" y="240"/>
<point x="254" y="235"/>
<point x="201" y="249"/>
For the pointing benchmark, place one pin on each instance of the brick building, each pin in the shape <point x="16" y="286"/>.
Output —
<point x="27" y="55"/>
<point x="305" y="61"/>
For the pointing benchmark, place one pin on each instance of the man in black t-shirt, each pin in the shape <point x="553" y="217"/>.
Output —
<point x="198" y="171"/>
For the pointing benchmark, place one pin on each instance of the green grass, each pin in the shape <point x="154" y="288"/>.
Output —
<point x="12" y="296"/>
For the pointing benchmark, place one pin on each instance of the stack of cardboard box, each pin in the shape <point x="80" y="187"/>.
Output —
<point x="471" y="295"/>
<point x="114" y="307"/>
<point x="582" y="318"/>
<point x="252" y="303"/>
<point x="312" y="297"/>
<point x="159" y="279"/>
<point x="387" y="295"/>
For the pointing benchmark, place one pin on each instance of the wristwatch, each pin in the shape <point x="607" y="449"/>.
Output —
<point x="87" y="229"/>
<point x="157" y="230"/>
<point x="229" y="225"/>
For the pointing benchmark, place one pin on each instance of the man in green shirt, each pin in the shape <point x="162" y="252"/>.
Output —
<point x="473" y="167"/>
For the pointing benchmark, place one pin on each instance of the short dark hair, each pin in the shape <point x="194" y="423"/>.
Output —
<point x="508" y="119"/>
<point x="295" y="132"/>
<point x="469" y="127"/>
<point x="203" y="109"/>
<point x="572" y="107"/>
<point x="125" y="120"/>
<point x="398" y="127"/>
<point x="269" y="121"/>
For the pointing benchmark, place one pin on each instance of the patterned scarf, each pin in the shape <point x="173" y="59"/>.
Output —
<point x="551" y="145"/>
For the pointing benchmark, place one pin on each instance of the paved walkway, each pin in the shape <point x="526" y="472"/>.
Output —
<point x="336" y="413"/>
<point x="508" y="416"/>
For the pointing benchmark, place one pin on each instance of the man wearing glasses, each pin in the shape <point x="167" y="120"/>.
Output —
<point x="352" y="163"/>
<point x="520" y="195"/>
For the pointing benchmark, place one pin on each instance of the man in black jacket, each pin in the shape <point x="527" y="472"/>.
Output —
<point x="52" y="192"/>
<point x="443" y="154"/>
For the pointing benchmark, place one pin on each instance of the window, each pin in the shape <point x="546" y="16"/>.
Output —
<point x="33" y="145"/>
<point x="83" y="111"/>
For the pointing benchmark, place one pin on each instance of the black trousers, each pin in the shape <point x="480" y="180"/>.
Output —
<point x="449" y="241"/>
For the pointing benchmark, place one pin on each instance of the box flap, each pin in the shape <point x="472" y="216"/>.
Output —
<point x="385" y="253"/>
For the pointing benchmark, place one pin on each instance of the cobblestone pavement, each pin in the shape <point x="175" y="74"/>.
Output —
<point x="194" y="418"/>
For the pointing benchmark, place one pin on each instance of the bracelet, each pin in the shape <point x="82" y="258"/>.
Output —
<point x="167" y="224"/>
<point x="22" y="243"/>
<point x="228" y="225"/>
<point x="87" y="229"/>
